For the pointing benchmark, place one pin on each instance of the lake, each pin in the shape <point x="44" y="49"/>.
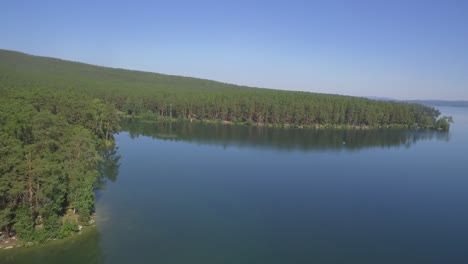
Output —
<point x="204" y="193"/>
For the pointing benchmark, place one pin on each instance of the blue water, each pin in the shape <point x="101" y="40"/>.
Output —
<point x="194" y="193"/>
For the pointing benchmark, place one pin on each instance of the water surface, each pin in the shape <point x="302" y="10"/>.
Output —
<point x="197" y="193"/>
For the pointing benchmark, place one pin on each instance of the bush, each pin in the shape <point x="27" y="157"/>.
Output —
<point x="67" y="229"/>
<point x="24" y="225"/>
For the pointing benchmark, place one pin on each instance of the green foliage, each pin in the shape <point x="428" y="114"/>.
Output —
<point x="50" y="228"/>
<point x="150" y="95"/>
<point x="68" y="228"/>
<point x="24" y="224"/>
<point x="49" y="159"/>
<point x="444" y="123"/>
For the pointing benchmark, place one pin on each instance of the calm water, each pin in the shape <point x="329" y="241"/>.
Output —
<point x="193" y="193"/>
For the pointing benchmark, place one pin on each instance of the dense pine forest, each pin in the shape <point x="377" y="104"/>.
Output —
<point x="151" y="95"/>
<point x="58" y="118"/>
<point x="51" y="151"/>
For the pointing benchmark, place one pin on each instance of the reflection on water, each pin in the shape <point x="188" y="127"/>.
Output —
<point x="279" y="138"/>
<point x="274" y="196"/>
<point x="108" y="169"/>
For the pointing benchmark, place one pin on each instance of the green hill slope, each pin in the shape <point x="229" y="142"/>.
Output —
<point x="155" y="95"/>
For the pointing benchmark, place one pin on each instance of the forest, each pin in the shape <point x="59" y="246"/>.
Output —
<point x="58" y="118"/>
<point x="51" y="152"/>
<point x="154" y="96"/>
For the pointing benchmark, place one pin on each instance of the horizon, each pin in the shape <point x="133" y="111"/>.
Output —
<point x="397" y="50"/>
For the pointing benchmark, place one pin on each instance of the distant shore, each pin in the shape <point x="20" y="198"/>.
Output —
<point x="253" y="124"/>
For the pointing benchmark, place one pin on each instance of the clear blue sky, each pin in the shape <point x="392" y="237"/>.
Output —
<point x="402" y="49"/>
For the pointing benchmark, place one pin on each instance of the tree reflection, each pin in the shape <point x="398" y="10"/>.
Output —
<point x="280" y="138"/>
<point x="108" y="167"/>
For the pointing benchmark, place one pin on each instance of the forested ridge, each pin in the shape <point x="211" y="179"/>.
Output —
<point x="152" y="95"/>
<point x="51" y="149"/>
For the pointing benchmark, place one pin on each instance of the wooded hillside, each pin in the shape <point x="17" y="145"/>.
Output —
<point x="155" y="95"/>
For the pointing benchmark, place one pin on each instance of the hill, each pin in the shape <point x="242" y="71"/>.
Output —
<point x="154" y="95"/>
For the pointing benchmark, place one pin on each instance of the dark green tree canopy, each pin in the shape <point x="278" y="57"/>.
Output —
<point x="152" y="95"/>
<point x="49" y="159"/>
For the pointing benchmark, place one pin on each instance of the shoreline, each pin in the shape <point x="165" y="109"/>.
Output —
<point x="54" y="251"/>
<point x="15" y="243"/>
<point x="9" y="243"/>
<point x="283" y="126"/>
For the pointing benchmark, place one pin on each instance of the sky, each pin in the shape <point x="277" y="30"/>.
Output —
<point x="410" y="49"/>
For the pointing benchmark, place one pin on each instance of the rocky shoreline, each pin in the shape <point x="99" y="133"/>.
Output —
<point x="8" y="243"/>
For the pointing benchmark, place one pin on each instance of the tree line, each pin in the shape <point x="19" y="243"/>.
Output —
<point x="152" y="96"/>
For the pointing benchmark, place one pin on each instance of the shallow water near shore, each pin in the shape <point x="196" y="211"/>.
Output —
<point x="208" y="193"/>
